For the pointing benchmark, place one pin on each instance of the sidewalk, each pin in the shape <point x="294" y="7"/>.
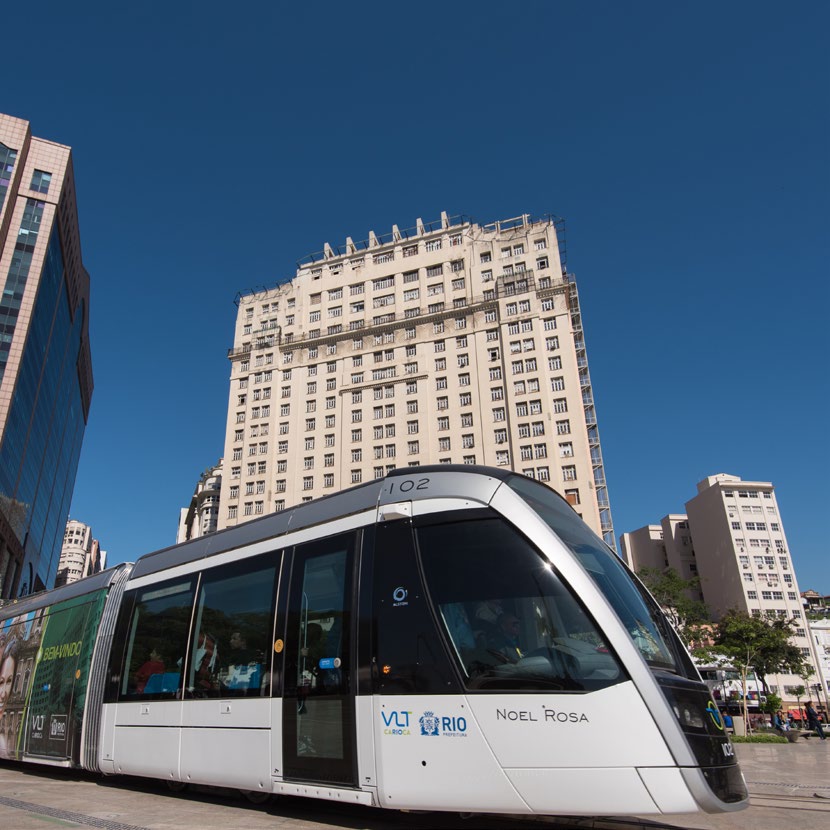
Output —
<point x="789" y="785"/>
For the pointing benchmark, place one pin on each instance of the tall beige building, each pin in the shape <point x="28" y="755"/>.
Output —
<point x="731" y="537"/>
<point x="452" y="342"/>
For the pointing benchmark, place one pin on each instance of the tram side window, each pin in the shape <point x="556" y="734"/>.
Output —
<point x="234" y="622"/>
<point x="511" y="622"/>
<point x="157" y="639"/>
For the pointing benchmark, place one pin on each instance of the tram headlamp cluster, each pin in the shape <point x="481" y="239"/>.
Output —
<point x="690" y="717"/>
<point x="690" y="707"/>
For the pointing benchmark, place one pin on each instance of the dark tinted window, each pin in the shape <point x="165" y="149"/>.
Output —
<point x="157" y="639"/>
<point x="409" y="653"/>
<point x="233" y="627"/>
<point x="511" y="622"/>
<point x="645" y="622"/>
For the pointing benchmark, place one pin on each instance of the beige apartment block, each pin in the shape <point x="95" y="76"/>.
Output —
<point x="81" y="554"/>
<point x="733" y="538"/>
<point x="201" y="516"/>
<point x="667" y="545"/>
<point x="452" y="342"/>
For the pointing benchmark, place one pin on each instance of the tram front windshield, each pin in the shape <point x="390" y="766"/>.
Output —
<point x="644" y="621"/>
<point x="510" y="620"/>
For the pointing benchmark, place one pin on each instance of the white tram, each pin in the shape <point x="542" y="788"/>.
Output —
<point x="444" y="638"/>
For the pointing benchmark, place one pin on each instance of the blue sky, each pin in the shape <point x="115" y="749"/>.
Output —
<point x="686" y="145"/>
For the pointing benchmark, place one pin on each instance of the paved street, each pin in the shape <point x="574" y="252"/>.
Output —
<point x="789" y="783"/>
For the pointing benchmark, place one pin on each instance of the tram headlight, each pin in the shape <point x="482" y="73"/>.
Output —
<point x="689" y="705"/>
<point x="690" y="717"/>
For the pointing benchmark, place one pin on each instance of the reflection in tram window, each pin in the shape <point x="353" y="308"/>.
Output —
<point x="232" y="630"/>
<point x="322" y="654"/>
<point x="511" y="622"/>
<point x="157" y="640"/>
<point x="645" y="622"/>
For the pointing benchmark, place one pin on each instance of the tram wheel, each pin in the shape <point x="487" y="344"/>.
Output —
<point x="256" y="796"/>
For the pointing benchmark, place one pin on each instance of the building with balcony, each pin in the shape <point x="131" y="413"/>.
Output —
<point x="452" y="342"/>
<point x="81" y="554"/>
<point x="201" y="516"/>
<point x="732" y="538"/>
<point x="45" y="363"/>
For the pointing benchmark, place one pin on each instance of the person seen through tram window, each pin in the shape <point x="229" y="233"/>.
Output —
<point x="240" y="663"/>
<point x="154" y="665"/>
<point x="205" y="661"/>
<point x="506" y="640"/>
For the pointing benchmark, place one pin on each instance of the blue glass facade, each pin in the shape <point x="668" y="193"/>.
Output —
<point x="44" y="430"/>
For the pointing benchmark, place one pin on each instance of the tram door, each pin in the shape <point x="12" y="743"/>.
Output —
<point x="318" y="699"/>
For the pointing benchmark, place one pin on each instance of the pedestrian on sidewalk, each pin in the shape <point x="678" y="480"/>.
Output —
<point x="813" y="721"/>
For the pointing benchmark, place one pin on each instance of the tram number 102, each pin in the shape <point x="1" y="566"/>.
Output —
<point x="409" y="484"/>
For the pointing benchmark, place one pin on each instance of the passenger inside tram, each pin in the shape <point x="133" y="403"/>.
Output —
<point x="205" y="660"/>
<point x="154" y="665"/>
<point x="241" y="668"/>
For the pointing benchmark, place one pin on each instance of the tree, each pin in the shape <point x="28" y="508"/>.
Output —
<point x="779" y="654"/>
<point x="672" y="593"/>
<point x="771" y="705"/>
<point x="759" y="643"/>
<point x="799" y="692"/>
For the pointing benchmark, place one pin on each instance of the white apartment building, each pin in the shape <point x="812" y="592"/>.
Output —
<point x="81" y="554"/>
<point x="452" y="342"/>
<point x="732" y="537"/>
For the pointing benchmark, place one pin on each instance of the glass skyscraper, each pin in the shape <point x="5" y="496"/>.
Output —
<point x="45" y="364"/>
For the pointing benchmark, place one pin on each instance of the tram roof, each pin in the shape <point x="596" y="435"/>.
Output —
<point x="87" y="585"/>
<point x="347" y="502"/>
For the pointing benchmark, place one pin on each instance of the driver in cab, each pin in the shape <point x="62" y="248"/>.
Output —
<point x="506" y="642"/>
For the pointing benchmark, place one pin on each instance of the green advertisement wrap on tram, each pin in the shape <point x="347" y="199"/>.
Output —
<point x="49" y="654"/>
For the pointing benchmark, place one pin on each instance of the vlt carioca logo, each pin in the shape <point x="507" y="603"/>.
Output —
<point x="396" y="722"/>
<point x="714" y="713"/>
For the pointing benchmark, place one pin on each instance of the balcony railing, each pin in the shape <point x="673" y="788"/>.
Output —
<point x="407" y="317"/>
